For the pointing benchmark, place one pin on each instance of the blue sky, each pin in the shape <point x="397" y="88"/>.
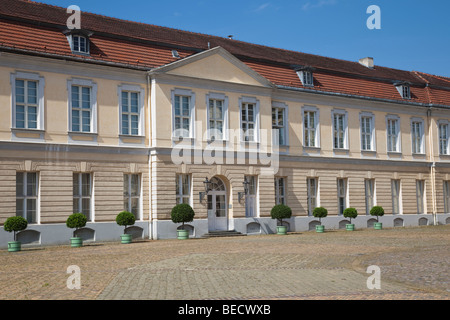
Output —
<point x="414" y="34"/>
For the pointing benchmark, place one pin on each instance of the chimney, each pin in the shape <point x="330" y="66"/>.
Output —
<point x="367" y="62"/>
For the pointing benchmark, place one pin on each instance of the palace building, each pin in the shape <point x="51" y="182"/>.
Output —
<point x="120" y="115"/>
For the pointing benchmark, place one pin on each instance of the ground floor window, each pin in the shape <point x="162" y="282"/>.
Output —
<point x="250" y="198"/>
<point x="312" y="187"/>
<point x="27" y="192"/>
<point x="132" y="194"/>
<point x="280" y="190"/>
<point x="420" y="193"/>
<point x="370" y="194"/>
<point x="183" y="188"/>
<point x="395" y="186"/>
<point x="82" y="193"/>
<point x="342" y="195"/>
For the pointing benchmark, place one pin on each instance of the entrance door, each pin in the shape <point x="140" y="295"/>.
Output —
<point x="217" y="207"/>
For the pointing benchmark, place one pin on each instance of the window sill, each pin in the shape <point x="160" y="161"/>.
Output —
<point x="22" y="134"/>
<point x="82" y="137"/>
<point x="27" y="130"/>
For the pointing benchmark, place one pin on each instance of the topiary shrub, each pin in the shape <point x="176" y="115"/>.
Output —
<point x="15" y="224"/>
<point x="320" y="213"/>
<point x="377" y="211"/>
<point x="76" y="221"/>
<point x="281" y="212"/>
<point x="125" y="219"/>
<point x="182" y="213"/>
<point x="350" y="213"/>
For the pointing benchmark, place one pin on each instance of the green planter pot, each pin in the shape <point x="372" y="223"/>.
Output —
<point x="126" y="238"/>
<point x="350" y="227"/>
<point x="76" y="242"/>
<point x="378" y="226"/>
<point x="320" y="229"/>
<point x="282" y="230"/>
<point x="14" y="246"/>
<point x="183" y="234"/>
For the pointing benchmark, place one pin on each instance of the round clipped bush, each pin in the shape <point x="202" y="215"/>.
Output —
<point x="281" y="212"/>
<point x="320" y="213"/>
<point x="377" y="211"/>
<point x="350" y="213"/>
<point x="76" y="221"/>
<point x="182" y="213"/>
<point x="15" y="224"/>
<point x="125" y="219"/>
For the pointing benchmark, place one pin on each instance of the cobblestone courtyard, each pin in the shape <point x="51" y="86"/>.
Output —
<point x="414" y="264"/>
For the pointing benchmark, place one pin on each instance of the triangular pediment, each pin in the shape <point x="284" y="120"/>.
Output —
<point x="215" y="64"/>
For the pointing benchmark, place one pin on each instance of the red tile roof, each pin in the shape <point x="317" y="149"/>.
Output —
<point x="27" y="26"/>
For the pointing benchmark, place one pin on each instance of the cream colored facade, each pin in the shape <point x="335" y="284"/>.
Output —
<point x="56" y="153"/>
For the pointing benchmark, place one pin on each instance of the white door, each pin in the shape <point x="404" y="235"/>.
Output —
<point x="217" y="208"/>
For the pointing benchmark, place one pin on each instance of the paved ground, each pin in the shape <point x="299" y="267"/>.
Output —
<point x="414" y="264"/>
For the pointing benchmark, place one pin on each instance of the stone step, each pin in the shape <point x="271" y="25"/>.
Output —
<point x="216" y="234"/>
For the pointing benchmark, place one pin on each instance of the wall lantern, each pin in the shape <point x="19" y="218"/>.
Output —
<point x="243" y="194"/>
<point x="207" y="185"/>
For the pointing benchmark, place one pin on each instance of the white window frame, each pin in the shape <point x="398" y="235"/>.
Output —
<point x="280" y="197"/>
<point x="396" y="134"/>
<point x="285" y="128"/>
<point x="71" y="40"/>
<point x="26" y="197"/>
<point x="446" y="186"/>
<point x="141" y="97"/>
<point x="127" y="195"/>
<point x="179" y="192"/>
<point x="371" y="117"/>
<point x="315" y="129"/>
<point x="444" y="141"/>
<point x="342" y="195"/>
<point x="27" y="76"/>
<point x="306" y="77"/>
<point x="344" y="114"/>
<point x="312" y="195"/>
<point x="421" y="123"/>
<point x="420" y="196"/>
<point x="370" y="199"/>
<point x="79" y="197"/>
<point x="396" y="199"/>
<point x="256" y="123"/>
<point x="191" y="95"/>
<point x="93" y="110"/>
<point x="404" y="90"/>
<point x="225" y="132"/>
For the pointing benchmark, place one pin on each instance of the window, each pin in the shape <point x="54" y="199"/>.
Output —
<point x="132" y="194"/>
<point x="417" y="136"/>
<point x="216" y="119"/>
<point x="340" y="130"/>
<point x="183" y="113"/>
<point x="312" y="188"/>
<point x="406" y="92"/>
<point x="420" y="194"/>
<point x="183" y="188"/>
<point x="342" y="195"/>
<point x="310" y="128"/>
<point x="447" y="196"/>
<point x="370" y="194"/>
<point x="395" y="186"/>
<point x="82" y="193"/>
<point x="393" y="130"/>
<point x="367" y="133"/>
<point x="80" y="44"/>
<point x="443" y="139"/>
<point x="131" y="107"/>
<point x="279" y="125"/>
<point x="27" y="101"/>
<point x="280" y="189"/>
<point x="306" y="77"/>
<point x="82" y="106"/>
<point x="250" y="198"/>
<point x="248" y="121"/>
<point x="27" y="193"/>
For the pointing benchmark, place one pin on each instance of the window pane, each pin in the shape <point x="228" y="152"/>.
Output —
<point x="31" y="210"/>
<point x="134" y="185"/>
<point x="86" y="207"/>
<point x="76" y="185"/>
<point x="19" y="184"/>
<point x="86" y="184"/>
<point x="31" y="184"/>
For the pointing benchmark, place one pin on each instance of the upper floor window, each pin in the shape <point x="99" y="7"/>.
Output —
<point x="404" y="89"/>
<point x="217" y="115"/>
<point x="80" y="44"/>
<point x="183" y="102"/>
<point x="82" y="106"/>
<point x="443" y="138"/>
<point x="279" y="125"/>
<point x="306" y="76"/>
<point x="310" y="127"/>
<point x="393" y="134"/>
<point x="249" y="119"/>
<point x="27" y="101"/>
<point x="131" y="109"/>
<point x="417" y="136"/>
<point x="79" y="41"/>
<point x="367" y="132"/>
<point x="340" y="130"/>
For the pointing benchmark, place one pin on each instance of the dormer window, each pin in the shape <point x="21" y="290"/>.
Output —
<point x="80" y="44"/>
<point x="306" y="76"/>
<point x="79" y="41"/>
<point x="404" y="89"/>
